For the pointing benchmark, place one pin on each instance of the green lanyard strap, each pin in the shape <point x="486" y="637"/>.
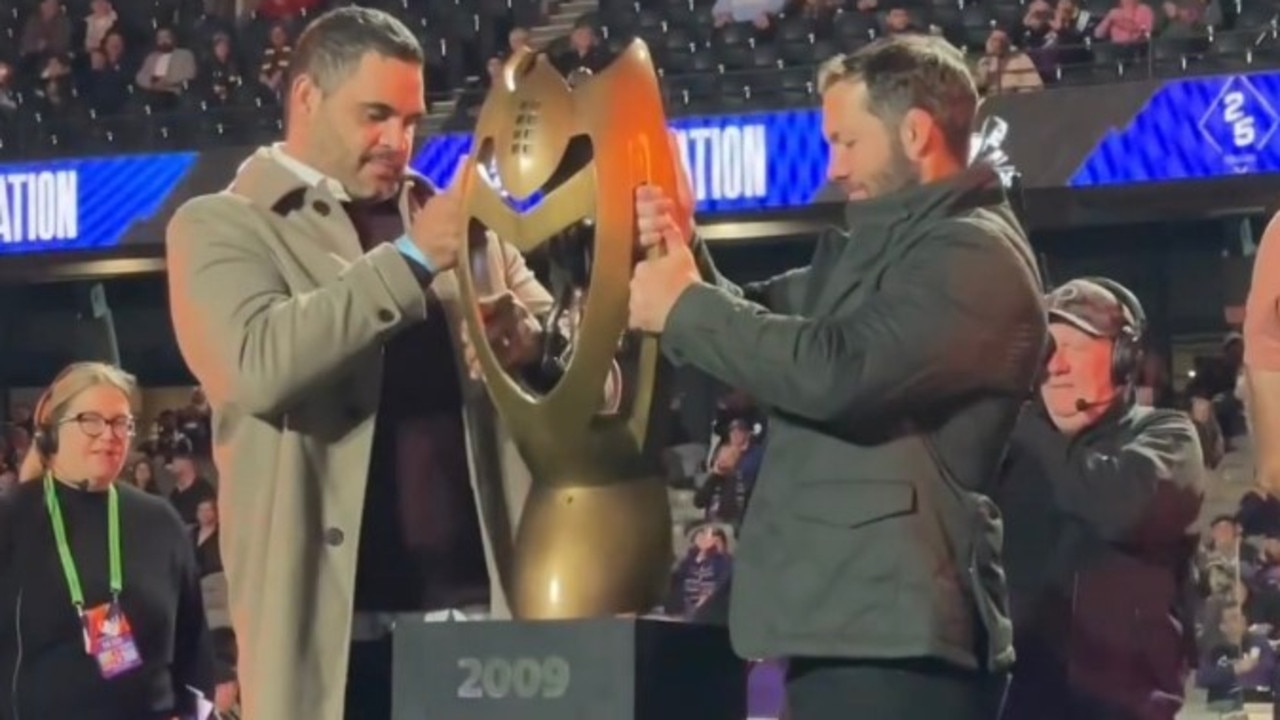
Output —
<point x="64" y="549"/>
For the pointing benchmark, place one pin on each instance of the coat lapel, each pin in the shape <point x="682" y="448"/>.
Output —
<point x="312" y="209"/>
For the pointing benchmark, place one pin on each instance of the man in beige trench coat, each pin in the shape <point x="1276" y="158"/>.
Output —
<point x="284" y="311"/>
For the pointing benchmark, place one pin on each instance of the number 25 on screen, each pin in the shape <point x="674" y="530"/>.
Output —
<point x="1243" y="132"/>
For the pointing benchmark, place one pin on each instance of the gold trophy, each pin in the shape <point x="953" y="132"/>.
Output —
<point x="594" y="537"/>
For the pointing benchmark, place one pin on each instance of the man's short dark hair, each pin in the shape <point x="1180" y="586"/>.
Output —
<point x="333" y="44"/>
<point x="912" y="71"/>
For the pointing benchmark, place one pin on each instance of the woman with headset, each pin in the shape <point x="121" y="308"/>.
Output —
<point x="100" y="608"/>
<point x="1100" y="497"/>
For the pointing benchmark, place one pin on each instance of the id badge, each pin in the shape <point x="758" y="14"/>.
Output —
<point x="110" y="640"/>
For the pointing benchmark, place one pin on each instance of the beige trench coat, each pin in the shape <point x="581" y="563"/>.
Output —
<point x="282" y="317"/>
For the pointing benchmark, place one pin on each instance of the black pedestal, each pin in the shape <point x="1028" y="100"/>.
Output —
<point x="599" y="669"/>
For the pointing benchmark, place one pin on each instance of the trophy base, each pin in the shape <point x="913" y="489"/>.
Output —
<point x="598" y="669"/>
<point x="592" y="550"/>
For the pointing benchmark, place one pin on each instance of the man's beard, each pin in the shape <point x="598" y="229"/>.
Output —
<point x="900" y="173"/>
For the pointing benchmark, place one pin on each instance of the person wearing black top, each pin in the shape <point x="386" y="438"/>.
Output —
<point x="1100" y="497"/>
<point x="205" y="538"/>
<point x="85" y="632"/>
<point x="189" y="489"/>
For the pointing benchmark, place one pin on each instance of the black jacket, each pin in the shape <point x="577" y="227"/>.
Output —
<point x="47" y="673"/>
<point x="892" y="367"/>
<point x="1101" y="542"/>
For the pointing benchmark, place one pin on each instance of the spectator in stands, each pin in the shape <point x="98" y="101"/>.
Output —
<point x="285" y="9"/>
<point x="1267" y="577"/>
<point x="8" y="94"/>
<point x="106" y="85"/>
<point x="56" y="104"/>
<point x="584" y="51"/>
<point x="706" y="566"/>
<point x="166" y="70"/>
<point x="1182" y="19"/>
<point x="1005" y="69"/>
<point x="1216" y="379"/>
<point x="517" y="39"/>
<point x="222" y="10"/>
<point x="1259" y="513"/>
<point x="1261" y="609"/>
<point x="55" y="80"/>
<point x="166" y="439"/>
<point x="194" y="422"/>
<point x="1224" y="559"/>
<point x="20" y="415"/>
<point x="1154" y="388"/>
<point x="47" y="32"/>
<point x="102" y="19"/>
<point x="898" y="21"/>
<point x="275" y="59"/>
<point x="222" y="72"/>
<point x="1129" y="22"/>
<point x="19" y="441"/>
<point x="1211" y="438"/>
<point x="1070" y="24"/>
<point x="205" y="538"/>
<point x="723" y="494"/>
<point x="1238" y="659"/>
<point x="143" y="476"/>
<point x="759" y="13"/>
<point x="189" y="489"/>
<point x="227" y="697"/>
<point x="820" y="12"/>
<point x="1036" y="24"/>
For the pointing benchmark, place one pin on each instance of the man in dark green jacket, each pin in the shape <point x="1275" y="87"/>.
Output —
<point x="893" y="368"/>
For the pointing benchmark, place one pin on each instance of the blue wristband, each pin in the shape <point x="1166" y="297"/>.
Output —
<point x="407" y="248"/>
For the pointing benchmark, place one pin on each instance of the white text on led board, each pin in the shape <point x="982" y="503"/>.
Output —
<point x="727" y="162"/>
<point x="39" y="206"/>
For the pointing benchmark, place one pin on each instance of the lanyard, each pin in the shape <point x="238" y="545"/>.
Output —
<point x="64" y="550"/>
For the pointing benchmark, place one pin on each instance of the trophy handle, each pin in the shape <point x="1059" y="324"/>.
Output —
<point x="647" y="159"/>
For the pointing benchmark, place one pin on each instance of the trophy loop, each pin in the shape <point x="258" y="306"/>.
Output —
<point x="550" y="165"/>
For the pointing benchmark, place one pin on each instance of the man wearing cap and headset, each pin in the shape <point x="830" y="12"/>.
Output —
<point x="1100" y="496"/>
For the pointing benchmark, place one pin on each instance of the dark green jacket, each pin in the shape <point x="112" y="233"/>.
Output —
<point x="893" y="368"/>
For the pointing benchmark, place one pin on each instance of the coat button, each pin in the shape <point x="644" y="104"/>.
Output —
<point x="321" y="207"/>
<point x="334" y="537"/>
<point x="386" y="316"/>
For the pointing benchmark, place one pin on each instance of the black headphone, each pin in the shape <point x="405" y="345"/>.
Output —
<point x="1128" y="351"/>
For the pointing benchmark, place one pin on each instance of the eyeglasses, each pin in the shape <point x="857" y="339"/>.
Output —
<point x="94" y="425"/>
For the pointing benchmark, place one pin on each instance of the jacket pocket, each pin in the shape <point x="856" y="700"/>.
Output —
<point x="842" y="503"/>
<point x="839" y="560"/>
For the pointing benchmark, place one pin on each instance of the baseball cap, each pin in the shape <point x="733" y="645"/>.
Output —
<point x="1089" y="307"/>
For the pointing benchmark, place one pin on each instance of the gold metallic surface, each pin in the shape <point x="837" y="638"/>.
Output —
<point x="595" y="533"/>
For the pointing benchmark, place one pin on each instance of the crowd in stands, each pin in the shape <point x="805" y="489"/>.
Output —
<point x="80" y="76"/>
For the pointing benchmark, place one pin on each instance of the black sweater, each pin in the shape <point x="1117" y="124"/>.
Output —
<point x="45" y="673"/>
